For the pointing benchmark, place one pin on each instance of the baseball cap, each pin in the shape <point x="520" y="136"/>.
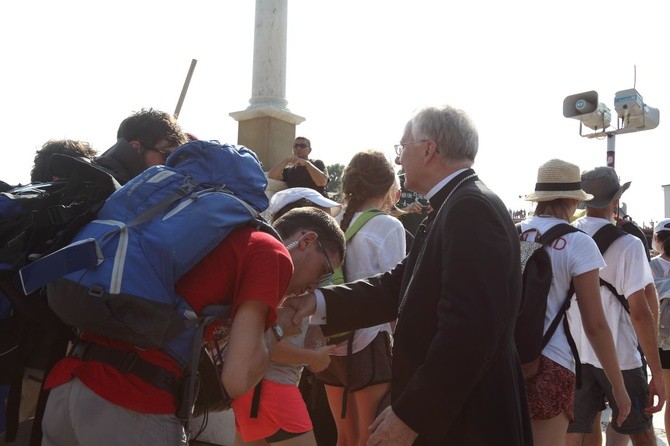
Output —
<point x="663" y="225"/>
<point x="287" y="196"/>
<point x="603" y="183"/>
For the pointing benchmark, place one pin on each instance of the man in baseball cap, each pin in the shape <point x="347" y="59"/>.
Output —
<point x="293" y="197"/>
<point x="628" y="314"/>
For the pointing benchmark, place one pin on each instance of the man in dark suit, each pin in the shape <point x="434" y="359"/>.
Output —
<point x="456" y="374"/>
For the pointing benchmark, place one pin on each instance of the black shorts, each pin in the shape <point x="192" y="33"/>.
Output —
<point x="595" y="386"/>
<point x="370" y="366"/>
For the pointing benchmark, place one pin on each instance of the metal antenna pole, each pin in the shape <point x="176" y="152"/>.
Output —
<point x="611" y="146"/>
<point x="184" y="89"/>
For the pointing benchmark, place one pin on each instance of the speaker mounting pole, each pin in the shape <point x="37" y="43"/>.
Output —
<point x="611" y="147"/>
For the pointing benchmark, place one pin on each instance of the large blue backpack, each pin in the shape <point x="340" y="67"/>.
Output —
<point x="117" y="276"/>
<point x="146" y="236"/>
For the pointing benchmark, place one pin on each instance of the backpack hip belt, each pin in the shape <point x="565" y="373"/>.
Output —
<point x="127" y="362"/>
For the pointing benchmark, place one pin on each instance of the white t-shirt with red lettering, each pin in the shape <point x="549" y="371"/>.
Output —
<point x="571" y="255"/>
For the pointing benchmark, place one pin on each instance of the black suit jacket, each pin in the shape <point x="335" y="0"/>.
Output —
<point x="456" y="375"/>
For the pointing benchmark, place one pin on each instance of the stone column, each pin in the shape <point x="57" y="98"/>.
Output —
<point x="267" y="126"/>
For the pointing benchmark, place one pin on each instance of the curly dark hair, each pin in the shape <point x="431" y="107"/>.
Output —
<point x="149" y="126"/>
<point x="41" y="171"/>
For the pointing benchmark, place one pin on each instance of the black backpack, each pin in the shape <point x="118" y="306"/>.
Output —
<point x="35" y="220"/>
<point x="604" y="237"/>
<point x="529" y="335"/>
<point x="627" y="224"/>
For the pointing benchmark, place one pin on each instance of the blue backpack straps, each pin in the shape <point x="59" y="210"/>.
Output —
<point x="152" y="231"/>
<point x="86" y="253"/>
<point x="147" y="235"/>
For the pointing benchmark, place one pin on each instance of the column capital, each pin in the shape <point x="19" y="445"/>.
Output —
<point x="263" y="111"/>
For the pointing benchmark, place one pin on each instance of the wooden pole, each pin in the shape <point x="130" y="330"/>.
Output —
<point x="184" y="89"/>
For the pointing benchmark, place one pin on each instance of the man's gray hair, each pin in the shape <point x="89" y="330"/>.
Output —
<point x="452" y="129"/>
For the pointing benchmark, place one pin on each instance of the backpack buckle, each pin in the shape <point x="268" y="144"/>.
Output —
<point x="79" y="350"/>
<point x="96" y="291"/>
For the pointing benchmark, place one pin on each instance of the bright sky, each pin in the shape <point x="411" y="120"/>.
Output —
<point x="355" y="69"/>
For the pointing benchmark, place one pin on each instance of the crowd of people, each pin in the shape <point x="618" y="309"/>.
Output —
<point x="409" y="334"/>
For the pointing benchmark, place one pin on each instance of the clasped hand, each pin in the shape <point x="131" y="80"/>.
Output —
<point x="295" y="161"/>
<point x="302" y="306"/>
<point x="285" y="321"/>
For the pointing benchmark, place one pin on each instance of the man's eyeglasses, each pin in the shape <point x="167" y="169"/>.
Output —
<point x="400" y="147"/>
<point x="300" y="145"/>
<point x="331" y="271"/>
<point x="165" y="151"/>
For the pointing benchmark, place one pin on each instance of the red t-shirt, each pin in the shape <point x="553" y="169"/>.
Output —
<point x="246" y="265"/>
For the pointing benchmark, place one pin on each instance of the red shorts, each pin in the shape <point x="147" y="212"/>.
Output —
<point x="551" y="391"/>
<point x="281" y="407"/>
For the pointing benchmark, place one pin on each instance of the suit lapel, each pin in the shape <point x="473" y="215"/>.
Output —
<point x="436" y="202"/>
<point x="441" y="195"/>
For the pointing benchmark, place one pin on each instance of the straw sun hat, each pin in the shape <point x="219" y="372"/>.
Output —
<point x="558" y="179"/>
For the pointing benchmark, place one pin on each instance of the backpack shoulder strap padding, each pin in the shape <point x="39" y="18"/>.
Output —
<point x="360" y="221"/>
<point x="260" y="224"/>
<point x="555" y="232"/>
<point x="339" y="275"/>
<point x="538" y="278"/>
<point x="547" y="239"/>
<point x="605" y="236"/>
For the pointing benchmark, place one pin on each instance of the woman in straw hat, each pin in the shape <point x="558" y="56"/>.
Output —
<point x="575" y="259"/>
